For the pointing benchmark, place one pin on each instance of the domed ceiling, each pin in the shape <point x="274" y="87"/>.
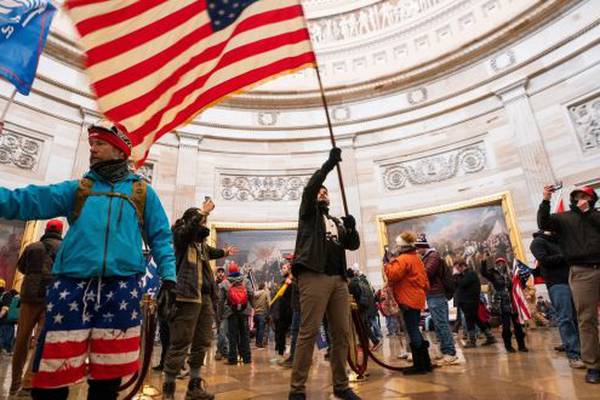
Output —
<point x="367" y="48"/>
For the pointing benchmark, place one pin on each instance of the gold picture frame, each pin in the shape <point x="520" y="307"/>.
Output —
<point x="30" y="234"/>
<point x="246" y="247"/>
<point x="504" y="199"/>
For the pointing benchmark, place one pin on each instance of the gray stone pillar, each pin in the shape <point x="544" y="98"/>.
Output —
<point x="186" y="176"/>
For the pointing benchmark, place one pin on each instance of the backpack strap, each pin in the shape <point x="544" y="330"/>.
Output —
<point x="138" y="197"/>
<point x="83" y="192"/>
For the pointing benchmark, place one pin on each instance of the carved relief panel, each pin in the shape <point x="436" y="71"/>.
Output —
<point x="261" y="187"/>
<point x="585" y="116"/>
<point x="434" y="168"/>
<point x="20" y="150"/>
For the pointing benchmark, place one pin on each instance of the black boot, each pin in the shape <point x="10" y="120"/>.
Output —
<point x="418" y="367"/>
<point x="426" y="359"/>
<point x="508" y="343"/>
<point x="50" y="394"/>
<point x="168" y="391"/>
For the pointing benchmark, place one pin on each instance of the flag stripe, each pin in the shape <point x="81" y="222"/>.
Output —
<point x="99" y="371"/>
<point x="145" y="34"/>
<point x="64" y="350"/>
<point x="230" y="62"/>
<point x="186" y="48"/>
<point x="58" y="378"/>
<point x="113" y="32"/>
<point x="116" y="16"/>
<point x="107" y="346"/>
<point x="208" y="64"/>
<point x="114" y="359"/>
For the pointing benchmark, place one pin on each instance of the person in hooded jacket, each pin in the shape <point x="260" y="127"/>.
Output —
<point x="501" y="281"/>
<point x="578" y="233"/>
<point x="238" y="332"/>
<point x="94" y="298"/>
<point x="193" y="312"/>
<point x="553" y="267"/>
<point x="35" y="263"/>
<point x="406" y="275"/>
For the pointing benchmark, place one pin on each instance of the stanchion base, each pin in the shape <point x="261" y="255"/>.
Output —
<point x="355" y="378"/>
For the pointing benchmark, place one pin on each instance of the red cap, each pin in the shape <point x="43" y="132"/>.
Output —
<point x="54" y="225"/>
<point x="289" y="257"/>
<point x="501" y="259"/>
<point x="586" y="189"/>
<point x="111" y="133"/>
<point x="233" y="267"/>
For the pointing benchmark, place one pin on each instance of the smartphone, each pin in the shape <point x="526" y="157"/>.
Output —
<point x="557" y="186"/>
<point x="207" y="198"/>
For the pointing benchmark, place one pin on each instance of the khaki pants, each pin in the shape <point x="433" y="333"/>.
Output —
<point x="30" y="316"/>
<point x="191" y="326"/>
<point x="585" y="285"/>
<point x="320" y="294"/>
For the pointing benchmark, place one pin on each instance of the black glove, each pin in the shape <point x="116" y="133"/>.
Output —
<point x="166" y="300"/>
<point x="335" y="155"/>
<point x="349" y="222"/>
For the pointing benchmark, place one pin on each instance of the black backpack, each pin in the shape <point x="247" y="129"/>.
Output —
<point x="367" y="295"/>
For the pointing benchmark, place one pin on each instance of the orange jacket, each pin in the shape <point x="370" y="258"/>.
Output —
<point x="408" y="279"/>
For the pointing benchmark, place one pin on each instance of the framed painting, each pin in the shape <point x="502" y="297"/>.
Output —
<point x="461" y="230"/>
<point x="14" y="236"/>
<point x="262" y="247"/>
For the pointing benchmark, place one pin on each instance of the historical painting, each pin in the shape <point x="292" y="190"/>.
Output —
<point x="261" y="248"/>
<point x="466" y="230"/>
<point x="11" y="236"/>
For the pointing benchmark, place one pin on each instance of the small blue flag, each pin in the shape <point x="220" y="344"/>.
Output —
<point x="24" y="26"/>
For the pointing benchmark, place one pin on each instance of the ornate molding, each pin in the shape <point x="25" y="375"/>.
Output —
<point x="585" y="117"/>
<point x="435" y="168"/>
<point x="20" y="150"/>
<point x="261" y="187"/>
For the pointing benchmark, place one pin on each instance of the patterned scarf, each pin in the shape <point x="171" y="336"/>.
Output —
<point x="112" y="170"/>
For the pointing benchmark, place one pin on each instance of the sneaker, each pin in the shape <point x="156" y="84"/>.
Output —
<point x="576" y="363"/>
<point x="168" y="391"/>
<point x="347" y="394"/>
<point x="403" y="356"/>
<point x="196" y="390"/>
<point x="296" y="396"/>
<point x="592" y="376"/>
<point x="449" y="360"/>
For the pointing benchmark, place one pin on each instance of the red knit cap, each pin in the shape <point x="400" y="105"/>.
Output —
<point x="233" y="267"/>
<point x="113" y="134"/>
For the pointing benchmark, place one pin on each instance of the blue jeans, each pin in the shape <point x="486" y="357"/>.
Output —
<point x="7" y="336"/>
<point x="412" y="318"/>
<point x="375" y="327"/>
<point x="438" y="308"/>
<point x="294" y="332"/>
<point x="560" y="296"/>
<point x="391" y="323"/>
<point x="222" y="341"/>
<point x="259" y="322"/>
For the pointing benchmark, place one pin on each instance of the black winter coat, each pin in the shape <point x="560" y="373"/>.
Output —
<point x="552" y="265"/>
<point x="311" y="241"/>
<point x="468" y="287"/>
<point x="579" y="233"/>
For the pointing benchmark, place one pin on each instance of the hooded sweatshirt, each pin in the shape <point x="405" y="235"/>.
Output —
<point x="552" y="265"/>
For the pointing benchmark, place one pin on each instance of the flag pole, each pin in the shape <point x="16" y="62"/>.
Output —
<point x="3" y="116"/>
<point x="332" y="137"/>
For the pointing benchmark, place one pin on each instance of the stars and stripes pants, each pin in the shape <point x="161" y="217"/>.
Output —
<point x="92" y="330"/>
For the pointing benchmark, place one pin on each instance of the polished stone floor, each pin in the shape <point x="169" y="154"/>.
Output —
<point x="488" y="373"/>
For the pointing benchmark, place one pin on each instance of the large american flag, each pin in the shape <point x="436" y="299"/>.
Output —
<point x="155" y="64"/>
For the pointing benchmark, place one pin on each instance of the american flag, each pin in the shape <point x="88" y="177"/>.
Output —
<point x="155" y="64"/>
<point x="518" y="297"/>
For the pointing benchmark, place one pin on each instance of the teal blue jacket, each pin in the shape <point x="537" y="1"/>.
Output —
<point x="106" y="239"/>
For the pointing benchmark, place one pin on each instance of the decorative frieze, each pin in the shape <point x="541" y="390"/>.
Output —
<point x="435" y="168"/>
<point x="585" y="117"/>
<point x="239" y="187"/>
<point x="20" y="150"/>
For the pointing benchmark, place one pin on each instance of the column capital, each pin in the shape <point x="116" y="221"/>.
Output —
<point x="513" y="91"/>
<point x="189" y="140"/>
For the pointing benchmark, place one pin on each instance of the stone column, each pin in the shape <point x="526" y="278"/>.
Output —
<point x="187" y="173"/>
<point x="537" y="170"/>
<point x="350" y="175"/>
<point x="81" y="162"/>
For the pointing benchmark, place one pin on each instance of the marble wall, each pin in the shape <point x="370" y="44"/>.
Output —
<point x="514" y="120"/>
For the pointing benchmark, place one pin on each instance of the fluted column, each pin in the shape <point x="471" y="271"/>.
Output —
<point x="187" y="173"/>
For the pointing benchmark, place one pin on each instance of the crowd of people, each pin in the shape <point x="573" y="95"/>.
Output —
<point x="80" y="297"/>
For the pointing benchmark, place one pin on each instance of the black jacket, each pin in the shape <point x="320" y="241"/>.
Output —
<point x="194" y="273"/>
<point x="468" y="287"/>
<point x="500" y="280"/>
<point x="579" y="233"/>
<point x="311" y="239"/>
<point x="36" y="265"/>
<point x="552" y="266"/>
